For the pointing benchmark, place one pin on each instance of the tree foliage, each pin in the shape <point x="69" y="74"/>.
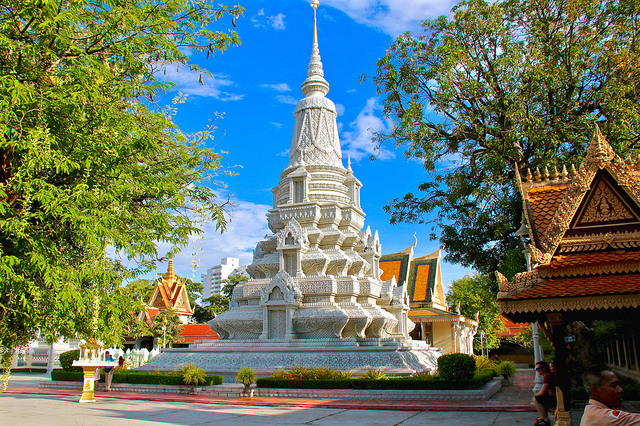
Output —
<point x="230" y="283"/>
<point x="211" y="307"/>
<point x="166" y="327"/>
<point x="475" y="294"/>
<point x="217" y="303"/>
<point x="90" y="160"/>
<point x="496" y="88"/>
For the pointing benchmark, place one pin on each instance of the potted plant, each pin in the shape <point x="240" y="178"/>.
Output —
<point x="507" y="370"/>
<point x="193" y="376"/>
<point x="246" y="376"/>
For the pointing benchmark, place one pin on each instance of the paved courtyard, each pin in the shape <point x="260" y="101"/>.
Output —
<point x="22" y="410"/>
<point x="25" y="404"/>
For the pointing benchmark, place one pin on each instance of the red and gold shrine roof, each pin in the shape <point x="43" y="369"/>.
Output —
<point x="171" y="293"/>
<point x="585" y="238"/>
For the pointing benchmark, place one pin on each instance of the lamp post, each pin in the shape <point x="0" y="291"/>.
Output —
<point x="523" y="234"/>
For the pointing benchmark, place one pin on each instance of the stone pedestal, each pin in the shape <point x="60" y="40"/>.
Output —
<point x="88" y="384"/>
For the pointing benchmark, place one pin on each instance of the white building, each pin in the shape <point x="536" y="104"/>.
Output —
<point x="212" y="279"/>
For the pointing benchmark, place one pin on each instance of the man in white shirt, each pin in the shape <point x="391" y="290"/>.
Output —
<point x="605" y="394"/>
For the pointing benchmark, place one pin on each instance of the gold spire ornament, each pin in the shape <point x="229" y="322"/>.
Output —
<point x="314" y="5"/>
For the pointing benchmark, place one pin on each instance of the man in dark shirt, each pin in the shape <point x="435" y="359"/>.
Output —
<point x="546" y="398"/>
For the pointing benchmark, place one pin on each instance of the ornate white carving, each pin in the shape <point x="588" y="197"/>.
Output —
<point x="292" y="235"/>
<point x="284" y="287"/>
<point x="317" y="323"/>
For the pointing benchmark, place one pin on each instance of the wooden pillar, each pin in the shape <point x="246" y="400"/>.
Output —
<point x="635" y="352"/>
<point x="556" y="321"/>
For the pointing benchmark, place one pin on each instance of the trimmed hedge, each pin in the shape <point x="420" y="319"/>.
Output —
<point x="392" y="383"/>
<point x="135" y="377"/>
<point x="67" y="358"/>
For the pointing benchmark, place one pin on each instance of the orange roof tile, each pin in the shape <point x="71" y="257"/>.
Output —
<point x="544" y="202"/>
<point x="582" y="286"/>
<point x="568" y="260"/>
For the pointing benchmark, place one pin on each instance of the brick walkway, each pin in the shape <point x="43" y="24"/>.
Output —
<point x="514" y="398"/>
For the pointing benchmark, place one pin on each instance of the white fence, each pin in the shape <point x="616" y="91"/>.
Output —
<point x="40" y="357"/>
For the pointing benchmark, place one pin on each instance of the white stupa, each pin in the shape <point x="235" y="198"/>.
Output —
<point x="315" y="297"/>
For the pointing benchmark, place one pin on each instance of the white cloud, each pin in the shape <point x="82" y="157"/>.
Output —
<point x="339" y="109"/>
<point x="247" y="224"/>
<point x="284" y="153"/>
<point x="188" y="82"/>
<point x="261" y="20"/>
<point x="278" y="125"/>
<point x="392" y="16"/>
<point x="358" y="142"/>
<point x="280" y="87"/>
<point x="277" y="21"/>
<point x="287" y="99"/>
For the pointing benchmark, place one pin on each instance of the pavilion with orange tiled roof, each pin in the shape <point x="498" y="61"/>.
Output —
<point x="422" y="279"/>
<point x="170" y="293"/>
<point x="584" y="227"/>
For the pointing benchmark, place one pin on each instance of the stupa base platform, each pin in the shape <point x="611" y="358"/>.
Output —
<point x="357" y="355"/>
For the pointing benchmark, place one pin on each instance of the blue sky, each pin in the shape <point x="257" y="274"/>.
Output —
<point x="256" y="87"/>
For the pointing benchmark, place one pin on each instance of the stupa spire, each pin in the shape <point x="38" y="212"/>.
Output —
<point x="315" y="84"/>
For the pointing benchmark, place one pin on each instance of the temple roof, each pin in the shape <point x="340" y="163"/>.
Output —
<point x="170" y="293"/>
<point x="422" y="276"/>
<point x="585" y="237"/>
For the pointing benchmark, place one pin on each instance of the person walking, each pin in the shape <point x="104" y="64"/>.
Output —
<point x="108" y="371"/>
<point x="605" y="394"/>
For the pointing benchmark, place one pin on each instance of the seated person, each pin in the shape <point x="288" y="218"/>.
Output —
<point x="546" y="398"/>
<point x="605" y="394"/>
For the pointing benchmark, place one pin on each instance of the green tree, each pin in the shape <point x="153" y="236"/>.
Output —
<point x="166" y="327"/>
<point x="473" y="294"/>
<point x="211" y="307"/>
<point x="495" y="88"/>
<point x="194" y="290"/>
<point x="230" y="283"/>
<point x="139" y="289"/>
<point x="90" y="160"/>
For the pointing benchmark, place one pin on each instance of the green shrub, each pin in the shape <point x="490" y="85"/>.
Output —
<point x="66" y="376"/>
<point x="67" y="358"/>
<point x="310" y="373"/>
<point x="136" y="377"/>
<point x="456" y="367"/>
<point x="390" y="383"/>
<point x="374" y="374"/>
<point x="506" y="369"/>
<point x="192" y="374"/>
<point x="484" y="364"/>
<point x="422" y="375"/>
<point x="246" y="376"/>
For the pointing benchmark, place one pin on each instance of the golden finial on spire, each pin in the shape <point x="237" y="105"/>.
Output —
<point x="314" y="5"/>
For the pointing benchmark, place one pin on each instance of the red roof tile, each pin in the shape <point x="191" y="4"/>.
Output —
<point x="582" y="286"/>
<point x="193" y="332"/>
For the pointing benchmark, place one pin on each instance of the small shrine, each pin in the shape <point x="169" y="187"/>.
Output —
<point x="92" y="356"/>
<point x="170" y="293"/>
<point x="420" y="281"/>
<point x="584" y="232"/>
